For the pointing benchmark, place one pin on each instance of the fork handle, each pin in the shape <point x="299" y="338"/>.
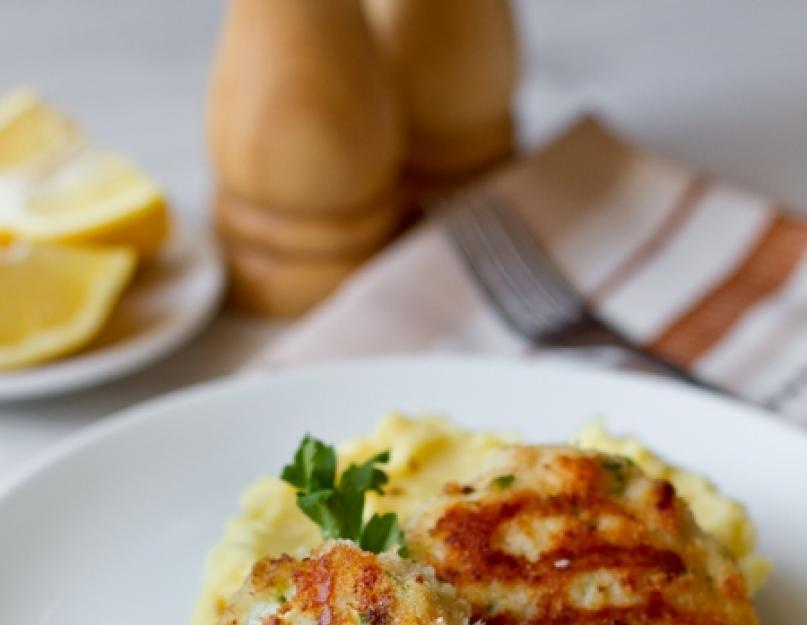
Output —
<point x="593" y="332"/>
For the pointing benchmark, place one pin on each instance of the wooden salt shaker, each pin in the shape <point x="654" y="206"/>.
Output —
<point x="304" y="128"/>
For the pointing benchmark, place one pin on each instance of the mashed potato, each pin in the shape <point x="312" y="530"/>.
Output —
<point x="427" y="453"/>
<point x="716" y="514"/>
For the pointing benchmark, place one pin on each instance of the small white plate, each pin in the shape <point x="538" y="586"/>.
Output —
<point x="168" y="303"/>
<point x="113" y="526"/>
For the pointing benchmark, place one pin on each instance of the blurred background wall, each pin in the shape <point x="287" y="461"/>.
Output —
<point x="721" y="84"/>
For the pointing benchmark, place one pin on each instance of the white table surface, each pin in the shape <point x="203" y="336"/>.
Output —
<point x="719" y="84"/>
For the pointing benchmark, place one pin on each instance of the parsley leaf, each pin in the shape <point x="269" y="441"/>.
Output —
<point x="314" y="466"/>
<point x="338" y="509"/>
<point x="354" y="483"/>
<point x="381" y="533"/>
<point x="321" y="507"/>
<point x="503" y="481"/>
<point x="616" y="466"/>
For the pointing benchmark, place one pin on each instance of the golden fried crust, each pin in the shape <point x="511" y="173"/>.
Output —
<point x="556" y="536"/>
<point x="342" y="585"/>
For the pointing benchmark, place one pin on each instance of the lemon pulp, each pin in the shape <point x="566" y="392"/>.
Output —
<point x="56" y="298"/>
<point x="56" y="187"/>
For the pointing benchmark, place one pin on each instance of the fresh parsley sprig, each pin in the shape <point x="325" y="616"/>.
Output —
<point x="338" y="508"/>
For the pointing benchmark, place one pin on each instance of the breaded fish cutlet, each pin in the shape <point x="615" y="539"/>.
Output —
<point x="559" y="536"/>
<point x="339" y="584"/>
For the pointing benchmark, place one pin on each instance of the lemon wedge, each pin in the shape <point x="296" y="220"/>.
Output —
<point x="56" y="187"/>
<point x="32" y="132"/>
<point x="57" y="298"/>
<point x="94" y="197"/>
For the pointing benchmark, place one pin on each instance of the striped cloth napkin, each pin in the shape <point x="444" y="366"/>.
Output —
<point x="707" y="275"/>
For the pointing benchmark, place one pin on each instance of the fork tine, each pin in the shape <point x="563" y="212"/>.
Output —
<point x="546" y="275"/>
<point x="534" y="272"/>
<point x="521" y="281"/>
<point x="487" y="272"/>
<point x="503" y="257"/>
<point x="549" y="294"/>
<point x="542" y="314"/>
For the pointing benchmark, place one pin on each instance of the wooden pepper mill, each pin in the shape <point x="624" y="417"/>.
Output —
<point x="306" y="141"/>
<point x="454" y="63"/>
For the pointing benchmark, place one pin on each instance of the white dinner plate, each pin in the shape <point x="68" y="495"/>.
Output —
<point x="113" y="526"/>
<point x="169" y="301"/>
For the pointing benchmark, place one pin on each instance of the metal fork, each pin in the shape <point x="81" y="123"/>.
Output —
<point x="525" y="285"/>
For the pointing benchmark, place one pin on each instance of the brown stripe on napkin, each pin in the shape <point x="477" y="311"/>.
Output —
<point x="680" y="211"/>
<point x="764" y="270"/>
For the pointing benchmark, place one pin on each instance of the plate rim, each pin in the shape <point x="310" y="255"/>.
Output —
<point x="154" y="347"/>
<point x="156" y="407"/>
